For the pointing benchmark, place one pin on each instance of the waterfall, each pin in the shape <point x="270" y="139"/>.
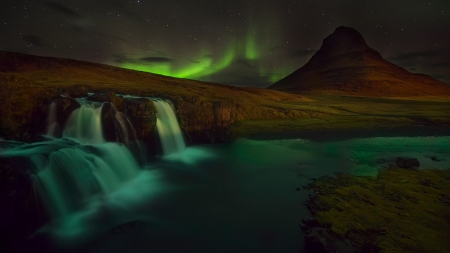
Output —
<point x="169" y="131"/>
<point x="85" y="124"/>
<point x="52" y="123"/>
<point x="123" y="128"/>
<point x="67" y="172"/>
<point x="70" y="172"/>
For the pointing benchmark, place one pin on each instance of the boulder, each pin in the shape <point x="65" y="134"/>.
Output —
<point x="20" y="210"/>
<point x="108" y="124"/>
<point x="205" y="121"/>
<point x="65" y="107"/>
<point x="116" y="125"/>
<point x="310" y="221"/>
<point x="62" y="108"/>
<point x="407" y="162"/>
<point x="435" y="159"/>
<point x="317" y="240"/>
<point x="108" y="96"/>
<point x="142" y="114"/>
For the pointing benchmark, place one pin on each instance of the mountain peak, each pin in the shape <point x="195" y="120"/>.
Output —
<point x="345" y="64"/>
<point x="346" y="33"/>
<point x="344" y="39"/>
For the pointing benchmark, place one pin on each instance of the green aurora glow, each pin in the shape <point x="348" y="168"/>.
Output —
<point x="209" y="62"/>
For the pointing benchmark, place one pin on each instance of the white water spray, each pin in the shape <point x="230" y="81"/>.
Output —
<point x="169" y="130"/>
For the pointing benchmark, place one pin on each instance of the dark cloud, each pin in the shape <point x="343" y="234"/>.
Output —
<point x="121" y="58"/>
<point x="414" y="56"/>
<point x="62" y="9"/>
<point x="301" y="52"/>
<point x="441" y="64"/>
<point x="34" y="39"/>
<point x="155" y="59"/>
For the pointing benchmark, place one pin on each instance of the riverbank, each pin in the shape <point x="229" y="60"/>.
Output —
<point x="400" y="210"/>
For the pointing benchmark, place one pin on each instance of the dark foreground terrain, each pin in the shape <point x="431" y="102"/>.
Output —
<point x="401" y="210"/>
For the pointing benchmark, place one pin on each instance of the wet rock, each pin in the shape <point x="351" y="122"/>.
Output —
<point x="310" y="221"/>
<point x="108" y="124"/>
<point x="108" y="96"/>
<point x="65" y="107"/>
<point x="20" y="209"/>
<point x="407" y="162"/>
<point x="205" y="121"/>
<point x="127" y="227"/>
<point x="435" y="159"/>
<point x="117" y="126"/>
<point x="142" y="114"/>
<point x="62" y="110"/>
<point x="76" y="90"/>
<point x="317" y="240"/>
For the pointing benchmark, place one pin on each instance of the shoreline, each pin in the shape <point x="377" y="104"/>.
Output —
<point x="353" y="133"/>
<point x="401" y="210"/>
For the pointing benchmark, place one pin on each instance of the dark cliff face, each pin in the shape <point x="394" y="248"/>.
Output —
<point x="201" y="121"/>
<point x="345" y="64"/>
<point x="205" y="121"/>
<point x="142" y="114"/>
<point x="24" y="107"/>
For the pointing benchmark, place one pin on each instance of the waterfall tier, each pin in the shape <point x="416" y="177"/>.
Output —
<point x="84" y="164"/>
<point x="169" y="130"/>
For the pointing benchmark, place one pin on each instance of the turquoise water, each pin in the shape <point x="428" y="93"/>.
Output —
<point x="233" y="197"/>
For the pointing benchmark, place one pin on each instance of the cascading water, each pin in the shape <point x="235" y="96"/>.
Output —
<point x="68" y="171"/>
<point x="90" y="170"/>
<point x="169" y="130"/>
<point x="85" y="125"/>
<point x="52" y="123"/>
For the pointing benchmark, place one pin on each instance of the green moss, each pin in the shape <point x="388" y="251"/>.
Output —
<point x="399" y="211"/>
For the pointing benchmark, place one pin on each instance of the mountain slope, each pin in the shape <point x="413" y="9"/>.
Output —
<point x="345" y="64"/>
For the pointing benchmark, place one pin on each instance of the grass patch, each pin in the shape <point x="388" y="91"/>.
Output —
<point x="399" y="211"/>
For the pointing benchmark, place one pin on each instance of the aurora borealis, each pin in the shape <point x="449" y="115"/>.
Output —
<point x="244" y="43"/>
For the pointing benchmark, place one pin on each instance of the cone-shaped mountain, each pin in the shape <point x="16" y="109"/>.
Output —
<point x="345" y="64"/>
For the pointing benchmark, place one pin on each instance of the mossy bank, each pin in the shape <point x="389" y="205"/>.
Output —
<point x="400" y="210"/>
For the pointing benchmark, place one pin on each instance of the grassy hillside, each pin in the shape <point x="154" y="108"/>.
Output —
<point x="25" y="79"/>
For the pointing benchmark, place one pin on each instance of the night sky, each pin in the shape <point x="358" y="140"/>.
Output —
<point x="244" y="43"/>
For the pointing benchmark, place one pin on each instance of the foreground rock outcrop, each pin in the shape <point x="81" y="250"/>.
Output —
<point x="123" y="120"/>
<point x="205" y="121"/>
<point x="401" y="210"/>
<point x="317" y="240"/>
<point x="20" y="210"/>
<point x="407" y="163"/>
